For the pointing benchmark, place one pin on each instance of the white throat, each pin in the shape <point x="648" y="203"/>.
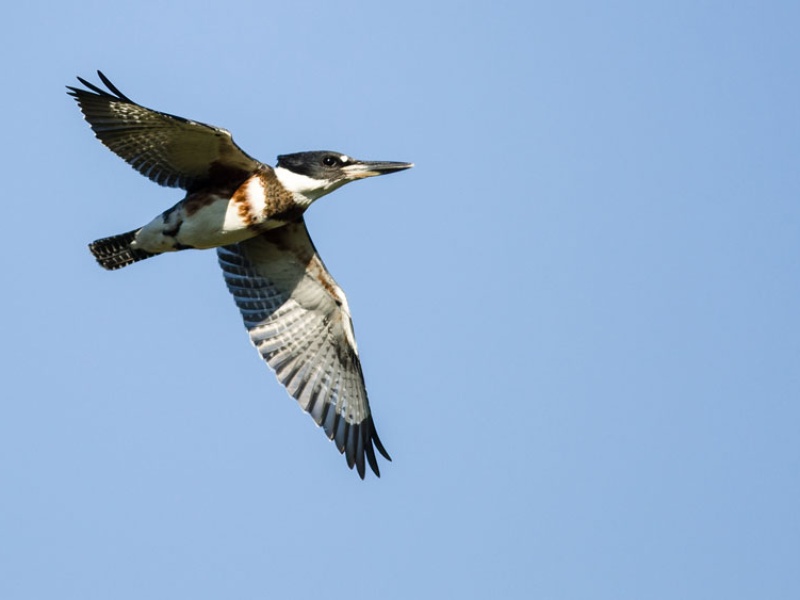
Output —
<point x="304" y="188"/>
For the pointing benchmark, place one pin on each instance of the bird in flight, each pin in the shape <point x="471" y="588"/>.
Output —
<point x="296" y="314"/>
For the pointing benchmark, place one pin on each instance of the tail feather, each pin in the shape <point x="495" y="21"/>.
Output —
<point x="116" y="252"/>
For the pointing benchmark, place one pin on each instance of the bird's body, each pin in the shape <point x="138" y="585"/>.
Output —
<point x="296" y="314"/>
<point x="217" y="217"/>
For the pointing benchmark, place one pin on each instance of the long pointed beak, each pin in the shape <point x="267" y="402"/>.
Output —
<point x="371" y="168"/>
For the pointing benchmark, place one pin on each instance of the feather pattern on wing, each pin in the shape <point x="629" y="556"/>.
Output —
<point x="170" y="150"/>
<point x="299" y="321"/>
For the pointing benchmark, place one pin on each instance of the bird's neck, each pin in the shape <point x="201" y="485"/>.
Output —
<point x="303" y="188"/>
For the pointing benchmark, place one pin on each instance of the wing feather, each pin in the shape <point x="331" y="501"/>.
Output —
<point x="298" y="319"/>
<point x="170" y="150"/>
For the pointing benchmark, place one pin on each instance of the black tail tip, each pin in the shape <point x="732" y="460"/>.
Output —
<point x="116" y="252"/>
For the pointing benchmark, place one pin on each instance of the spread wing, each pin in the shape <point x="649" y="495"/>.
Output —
<point x="170" y="150"/>
<point x="299" y="321"/>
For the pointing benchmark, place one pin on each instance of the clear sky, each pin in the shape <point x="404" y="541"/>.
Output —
<point x="579" y="315"/>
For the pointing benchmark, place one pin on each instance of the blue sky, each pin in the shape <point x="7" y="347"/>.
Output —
<point x="578" y="315"/>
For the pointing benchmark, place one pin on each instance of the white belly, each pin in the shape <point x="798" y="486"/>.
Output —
<point x="208" y="220"/>
<point x="215" y="224"/>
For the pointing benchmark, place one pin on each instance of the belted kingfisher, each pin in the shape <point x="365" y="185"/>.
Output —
<point x="296" y="314"/>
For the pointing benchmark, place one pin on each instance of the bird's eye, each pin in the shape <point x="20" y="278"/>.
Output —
<point x="330" y="161"/>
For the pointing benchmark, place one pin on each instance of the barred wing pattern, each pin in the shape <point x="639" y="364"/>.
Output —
<point x="298" y="319"/>
<point x="170" y="150"/>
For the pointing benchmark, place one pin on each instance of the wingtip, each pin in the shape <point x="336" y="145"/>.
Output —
<point x="91" y="87"/>
<point x="379" y="444"/>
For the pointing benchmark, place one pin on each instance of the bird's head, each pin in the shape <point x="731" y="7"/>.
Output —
<point x="314" y="174"/>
